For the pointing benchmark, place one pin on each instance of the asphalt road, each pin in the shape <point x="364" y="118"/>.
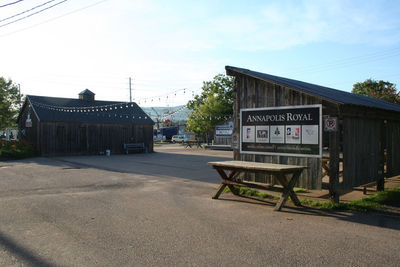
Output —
<point x="156" y="210"/>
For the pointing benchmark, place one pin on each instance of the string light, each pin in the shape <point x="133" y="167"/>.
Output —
<point x="120" y="106"/>
<point x="93" y="110"/>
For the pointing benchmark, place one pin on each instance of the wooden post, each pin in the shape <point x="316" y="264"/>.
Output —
<point x="334" y="165"/>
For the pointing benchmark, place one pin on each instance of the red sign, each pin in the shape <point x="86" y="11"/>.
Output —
<point x="330" y="124"/>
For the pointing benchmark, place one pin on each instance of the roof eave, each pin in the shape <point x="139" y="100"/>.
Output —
<point x="231" y="72"/>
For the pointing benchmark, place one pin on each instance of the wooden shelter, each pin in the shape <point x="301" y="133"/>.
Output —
<point x="66" y="126"/>
<point x="364" y="148"/>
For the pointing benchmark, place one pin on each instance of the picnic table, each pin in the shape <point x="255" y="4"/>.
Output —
<point x="190" y="144"/>
<point x="287" y="175"/>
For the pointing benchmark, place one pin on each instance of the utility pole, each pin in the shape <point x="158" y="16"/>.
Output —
<point x="130" y="89"/>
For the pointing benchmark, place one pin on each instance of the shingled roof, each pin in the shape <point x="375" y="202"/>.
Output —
<point x="329" y="94"/>
<point x="76" y="110"/>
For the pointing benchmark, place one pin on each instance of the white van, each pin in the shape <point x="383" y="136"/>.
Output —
<point x="178" y="138"/>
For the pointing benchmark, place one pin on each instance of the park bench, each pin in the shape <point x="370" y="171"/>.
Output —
<point x="139" y="147"/>
<point x="280" y="171"/>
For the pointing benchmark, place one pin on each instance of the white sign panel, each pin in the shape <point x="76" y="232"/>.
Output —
<point x="309" y="134"/>
<point x="262" y="134"/>
<point x="277" y="134"/>
<point x="249" y="134"/>
<point x="293" y="134"/>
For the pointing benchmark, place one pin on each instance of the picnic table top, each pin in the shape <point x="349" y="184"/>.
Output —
<point x="259" y="166"/>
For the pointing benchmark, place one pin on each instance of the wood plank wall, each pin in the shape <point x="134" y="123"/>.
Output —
<point x="255" y="93"/>
<point x="62" y="138"/>
<point x="222" y="140"/>
<point x="393" y="148"/>
<point x="361" y="151"/>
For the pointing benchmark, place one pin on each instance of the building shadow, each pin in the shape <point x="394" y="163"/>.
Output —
<point x="160" y="164"/>
<point x="21" y="253"/>
<point x="382" y="219"/>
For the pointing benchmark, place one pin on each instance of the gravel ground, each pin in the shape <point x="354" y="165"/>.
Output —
<point x="156" y="210"/>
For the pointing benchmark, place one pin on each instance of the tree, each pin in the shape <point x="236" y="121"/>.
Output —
<point x="10" y="103"/>
<point x="378" y="89"/>
<point x="212" y="106"/>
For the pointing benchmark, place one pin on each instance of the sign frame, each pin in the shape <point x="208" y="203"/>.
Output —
<point x="279" y="109"/>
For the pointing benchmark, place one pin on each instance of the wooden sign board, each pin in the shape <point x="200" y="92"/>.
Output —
<point x="224" y="129"/>
<point x="28" y="122"/>
<point x="284" y="131"/>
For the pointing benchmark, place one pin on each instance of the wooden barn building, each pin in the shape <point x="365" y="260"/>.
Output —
<point x="82" y="126"/>
<point x="364" y="148"/>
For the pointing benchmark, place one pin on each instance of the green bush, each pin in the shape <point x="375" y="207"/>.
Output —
<point x="16" y="150"/>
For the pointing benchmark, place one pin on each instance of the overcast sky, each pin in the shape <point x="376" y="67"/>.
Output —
<point x="166" y="46"/>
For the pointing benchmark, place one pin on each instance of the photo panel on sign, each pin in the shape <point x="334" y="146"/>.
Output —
<point x="277" y="134"/>
<point x="249" y="134"/>
<point x="310" y="134"/>
<point x="293" y="134"/>
<point x="262" y="134"/>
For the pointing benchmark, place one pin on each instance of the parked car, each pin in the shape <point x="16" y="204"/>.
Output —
<point x="178" y="138"/>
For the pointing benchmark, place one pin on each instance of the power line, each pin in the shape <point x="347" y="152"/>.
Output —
<point x="9" y="4"/>
<point x="30" y="15"/>
<point x="49" y="20"/>
<point x="26" y="11"/>
<point x="347" y="62"/>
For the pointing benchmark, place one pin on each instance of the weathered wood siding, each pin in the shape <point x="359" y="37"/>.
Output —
<point x="62" y="138"/>
<point x="255" y="93"/>
<point x="393" y="148"/>
<point x="361" y="151"/>
<point x="222" y="140"/>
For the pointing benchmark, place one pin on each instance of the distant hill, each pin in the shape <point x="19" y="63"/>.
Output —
<point x="177" y="113"/>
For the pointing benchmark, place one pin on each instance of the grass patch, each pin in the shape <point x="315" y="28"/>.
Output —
<point x="162" y="143"/>
<point x="323" y="205"/>
<point x="251" y="192"/>
<point x="300" y="190"/>
<point x="374" y="202"/>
